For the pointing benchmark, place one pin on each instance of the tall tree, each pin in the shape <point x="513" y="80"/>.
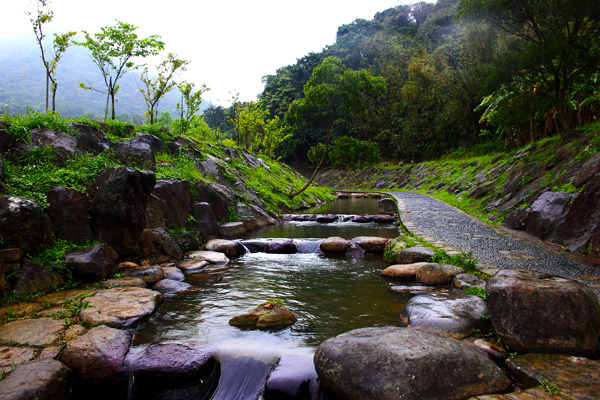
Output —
<point x="555" y="41"/>
<point x="156" y="88"/>
<point x="113" y="50"/>
<point x="333" y="97"/>
<point x="60" y="44"/>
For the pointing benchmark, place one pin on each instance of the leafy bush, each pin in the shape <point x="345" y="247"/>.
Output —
<point x="465" y="260"/>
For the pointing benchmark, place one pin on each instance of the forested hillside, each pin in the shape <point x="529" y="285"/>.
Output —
<point x="23" y="83"/>
<point x="458" y="74"/>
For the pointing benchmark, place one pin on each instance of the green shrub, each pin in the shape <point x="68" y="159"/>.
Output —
<point x="350" y="153"/>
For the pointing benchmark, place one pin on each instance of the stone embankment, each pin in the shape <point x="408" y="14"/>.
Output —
<point x="551" y="191"/>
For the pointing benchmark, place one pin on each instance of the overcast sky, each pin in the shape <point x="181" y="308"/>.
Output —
<point x="231" y="44"/>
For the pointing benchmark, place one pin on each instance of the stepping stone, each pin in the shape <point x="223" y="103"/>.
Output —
<point x="334" y="245"/>
<point x="212" y="257"/>
<point x="230" y="248"/>
<point x="11" y="356"/>
<point x="121" y="307"/>
<point x="403" y="272"/>
<point x="454" y="314"/>
<point x="462" y="281"/>
<point x="192" y="266"/>
<point x="170" y="286"/>
<point x="32" y="332"/>
<point x="149" y="274"/>
<point x="416" y="289"/>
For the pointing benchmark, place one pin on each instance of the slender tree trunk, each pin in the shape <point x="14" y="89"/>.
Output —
<point x="47" y="83"/>
<point x="54" y="88"/>
<point x="112" y="98"/>
<point x="312" y="177"/>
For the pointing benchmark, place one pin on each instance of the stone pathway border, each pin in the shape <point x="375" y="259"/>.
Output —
<point x="456" y="232"/>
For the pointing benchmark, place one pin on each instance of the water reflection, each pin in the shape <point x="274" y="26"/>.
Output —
<point x="329" y="295"/>
<point x="346" y="206"/>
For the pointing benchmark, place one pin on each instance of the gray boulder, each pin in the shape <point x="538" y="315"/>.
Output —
<point x="170" y="286"/>
<point x="454" y="314"/>
<point x="148" y="273"/>
<point x="334" y="245"/>
<point x="36" y="278"/>
<point x="89" y="139"/>
<point x="371" y="244"/>
<point x="541" y="313"/>
<point x="68" y="212"/>
<point x="156" y="247"/>
<point x="94" y="263"/>
<point x="387" y="206"/>
<point x="204" y="220"/>
<point x="118" y="210"/>
<point x="282" y="246"/>
<point x="392" y="363"/>
<point x="187" y="370"/>
<point x="24" y="225"/>
<point x="232" y="229"/>
<point x="547" y="212"/>
<point x="136" y="153"/>
<point x="413" y="255"/>
<point x="176" y="194"/>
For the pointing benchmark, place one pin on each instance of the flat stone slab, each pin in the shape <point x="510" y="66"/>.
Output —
<point x="413" y="255"/>
<point x="173" y="273"/>
<point x="170" y="286"/>
<point x="417" y="289"/>
<point x="454" y="314"/>
<point x="10" y="356"/>
<point x="462" y="281"/>
<point x="62" y="296"/>
<point x="578" y="377"/>
<point x="212" y="257"/>
<point x="32" y="332"/>
<point x="191" y="266"/>
<point x="121" y="307"/>
<point x="148" y="273"/>
<point x="42" y="380"/>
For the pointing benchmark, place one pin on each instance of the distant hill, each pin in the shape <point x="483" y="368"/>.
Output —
<point x="23" y="83"/>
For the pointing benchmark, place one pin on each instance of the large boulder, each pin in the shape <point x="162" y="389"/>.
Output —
<point x="94" y="263"/>
<point x="187" y="370"/>
<point x="213" y="257"/>
<point x="582" y="218"/>
<point x="167" y="286"/>
<point x="232" y="229"/>
<point x="155" y="210"/>
<point x="121" y="307"/>
<point x="24" y="225"/>
<point x="176" y="195"/>
<point x="334" y="245"/>
<point x="265" y="316"/>
<point x="62" y="144"/>
<point x="98" y="357"/>
<point x="45" y="379"/>
<point x="156" y="247"/>
<point x="36" y="278"/>
<point x="454" y="314"/>
<point x="230" y="248"/>
<point x="204" y="220"/>
<point x="136" y="153"/>
<point x="392" y="363"/>
<point x="221" y="199"/>
<point x="89" y="139"/>
<point x="541" y="313"/>
<point x="118" y="210"/>
<point x="148" y="273"/>
<point x="547" y="212"/>
<point x="68" y="212"/>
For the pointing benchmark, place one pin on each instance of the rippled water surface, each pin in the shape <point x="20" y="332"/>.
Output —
<point x="329" y="295"/>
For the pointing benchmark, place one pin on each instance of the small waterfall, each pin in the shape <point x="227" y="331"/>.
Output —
<point x="308" y="246"/>
<point x="244" y="370"/>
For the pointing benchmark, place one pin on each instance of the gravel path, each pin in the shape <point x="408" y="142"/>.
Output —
<point x="448" y="227"/>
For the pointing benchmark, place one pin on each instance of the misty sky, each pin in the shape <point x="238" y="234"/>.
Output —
<point x="231" y="44"/>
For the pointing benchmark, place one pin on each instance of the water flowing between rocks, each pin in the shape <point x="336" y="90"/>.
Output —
<point x="328" y="294"/>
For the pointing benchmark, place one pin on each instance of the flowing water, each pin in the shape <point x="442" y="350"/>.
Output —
<point x="329" y="295"/>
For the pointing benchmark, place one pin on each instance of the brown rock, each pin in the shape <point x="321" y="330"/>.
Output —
<point x="462" y="281"/>
<point x="383" y="219"/>
<point x="334" y="244"/>
<point x="93" y="263"/>
<point x="413" y="255"/>
<point x="69" y="214"/>
<point x="177" y="196"/>
<point x="32" y="332"/>
<point x="265" y="317"/>
<point x="387" y="206"/>
<point x="10" y="255"/>
<point x="148" y="273"/>
<point x="437" y="274"/>
<point x="35" y="278"/>
<point x="124" y="282"/>
<point x="11" y="356"/>
<point x="156" y="247"/>
<point x="212" y="257"/>
<point x="191" y="266"/>
<point x="403" y="272"/>
<point x="535" y="312"/>
<point x="491" y="350"/>
<point x="121" y="307"/>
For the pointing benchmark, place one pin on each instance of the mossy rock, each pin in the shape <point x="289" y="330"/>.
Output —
<point x="265" y="316"/>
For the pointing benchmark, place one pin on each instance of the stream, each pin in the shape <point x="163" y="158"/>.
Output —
<point x="328" y="294"/>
